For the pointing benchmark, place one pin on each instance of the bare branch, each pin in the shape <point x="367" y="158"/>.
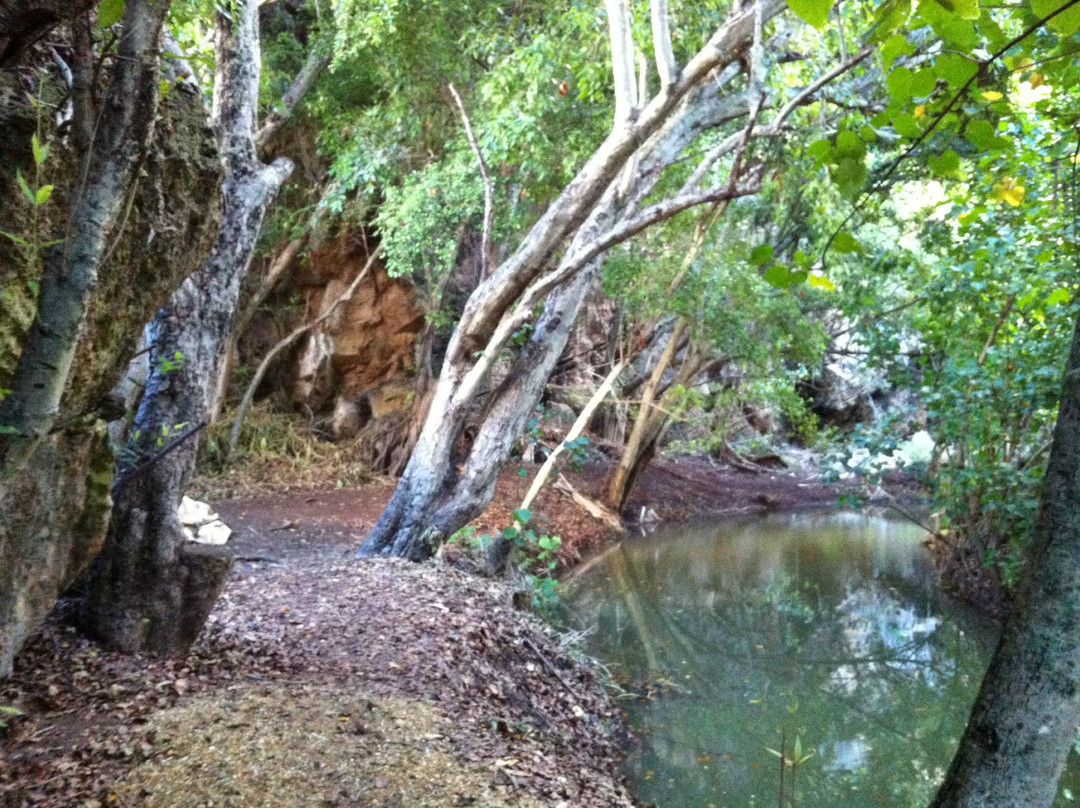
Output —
<point x="803" y="96"/>
<point x="317" y="61"/>
<point x="622" y="60"/>
<point x="489" y="191"/>
<point x="774" y="128"/>
<point x="296" y="333"/>
<point x="661" y="34"/>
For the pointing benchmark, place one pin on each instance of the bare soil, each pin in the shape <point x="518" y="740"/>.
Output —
<point x="324" y="680"/>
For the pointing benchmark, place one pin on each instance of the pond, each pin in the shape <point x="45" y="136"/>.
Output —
<point x="826" y="629"/>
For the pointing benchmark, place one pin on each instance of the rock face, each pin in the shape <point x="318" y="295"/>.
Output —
<point x="54" y="515"/>
<point x="352" y="367"/>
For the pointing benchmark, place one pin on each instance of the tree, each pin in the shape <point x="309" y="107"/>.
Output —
<point x="122" y="251"/>
<point x="1025" y="718"/>
<point x="556" y="262"/>
<point x="119" y="146"/>
<point x="150" y="589"/>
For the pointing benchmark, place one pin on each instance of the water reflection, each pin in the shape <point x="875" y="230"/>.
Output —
<point x="823" y="627"/>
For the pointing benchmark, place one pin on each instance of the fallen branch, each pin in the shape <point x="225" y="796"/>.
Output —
<point x="549" y="666"/>
<point x="595" y="509"/>
<point x="574" y="433"/>
<point x="249" y="395"/>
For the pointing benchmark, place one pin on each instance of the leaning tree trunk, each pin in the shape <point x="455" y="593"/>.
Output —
<point x="438" y="493"/>
<point x="150" y="589"/>
<point x="1025" y="718"/>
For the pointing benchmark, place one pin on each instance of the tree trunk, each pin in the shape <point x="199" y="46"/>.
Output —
<point x="642" y="435"/>
<point x="31" y="409"/>
<point x="438" y="493"/>
<point x="1025" y="718"/>
<point x="279" y="267"/>
<point x="54" y="513"/>
<point x="149" y="590"/>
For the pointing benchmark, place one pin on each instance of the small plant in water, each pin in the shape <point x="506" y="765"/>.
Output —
<point x="790" y="763"/>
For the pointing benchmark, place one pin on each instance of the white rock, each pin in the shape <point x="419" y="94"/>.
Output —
<point x="216" y="532"/>
<point x="194" y="513"/>
<point x="919" y="448"/>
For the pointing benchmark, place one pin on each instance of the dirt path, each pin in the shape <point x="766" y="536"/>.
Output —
<point x="323" y="680"/>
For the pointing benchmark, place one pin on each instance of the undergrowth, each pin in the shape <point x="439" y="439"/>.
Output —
<point x="275" y="452"/>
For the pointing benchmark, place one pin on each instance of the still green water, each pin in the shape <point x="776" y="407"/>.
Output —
<point x="827" y="627"/>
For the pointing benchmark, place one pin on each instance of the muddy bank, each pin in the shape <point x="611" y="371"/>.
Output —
<point x="675" y="489"/>
<point x="321" y="680"/>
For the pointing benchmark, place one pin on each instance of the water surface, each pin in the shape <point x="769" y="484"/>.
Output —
<point x="826" y="628"/>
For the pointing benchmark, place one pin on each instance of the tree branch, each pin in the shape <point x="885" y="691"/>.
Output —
<point x="661" y="34"/>
<point x="578" y="427"/>
<point x="489" y="192"/>
<point x="249" y="394"/>
<point x="622" y="60"/>
<point x="317" y="61"/>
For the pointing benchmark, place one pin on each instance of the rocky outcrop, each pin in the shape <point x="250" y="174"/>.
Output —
<point x="53" y="516"/>
<point x="352" y="368"/>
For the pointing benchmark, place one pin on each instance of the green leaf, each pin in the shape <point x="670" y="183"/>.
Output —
<point x="43" y="194"/>
<point x="819" y="281"/>
<point x="891" y="15"/>
<point x="1066" y="23"/>
<point x="523" y="515"/>
<point x="964" y="9"/>
<point x="821" y="151"/>
<point x="955" y="69"/>
<point x="923" y="83"/>
<point x="982" y="135"/>
<point x="761" y="255"/>
<point x="510" y="533"/>
<point x="15" y="238"/>
<point x="849" y="176"/>
<point x="110" y="12"/>
<point x="899" y="84"/>
<point x="814" y="12"/>
<point x="25" y="187"/>
<point x="945" y="165"/>
<point x="849" y="146"/>
<point x="778" y="275"/>
<point x="960" y="33"/>
<point x="906" y="124"/>
<point x="1058" y="296"/>
<point x="895" y="46"/>
<point x="41" y="151"/>
<point x="846" y="243"/>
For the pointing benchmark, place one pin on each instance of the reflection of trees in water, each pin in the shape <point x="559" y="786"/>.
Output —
<point x="878" y="686"/>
